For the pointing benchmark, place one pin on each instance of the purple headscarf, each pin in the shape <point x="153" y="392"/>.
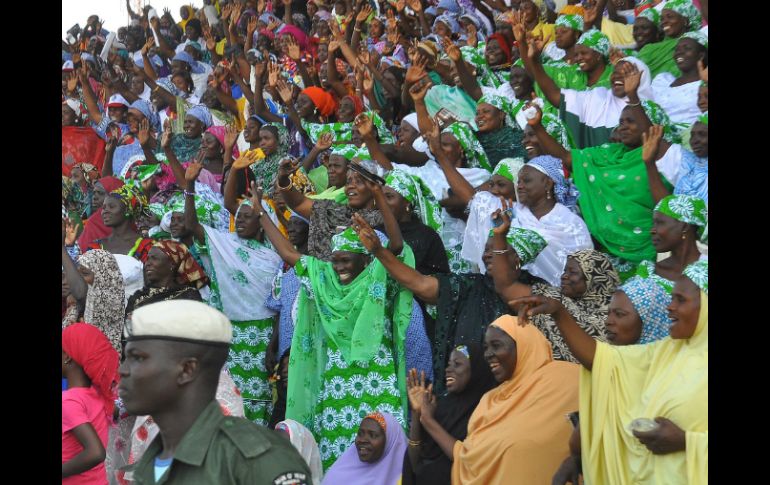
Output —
<point x="387" y="470"/>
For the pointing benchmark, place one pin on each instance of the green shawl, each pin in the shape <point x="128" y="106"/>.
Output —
<point x="354" y="317"/>
<point x="615" y="199"/>
<point x="659" y="57"/>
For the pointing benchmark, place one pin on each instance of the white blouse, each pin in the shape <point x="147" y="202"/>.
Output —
<point x="680" y="102"/>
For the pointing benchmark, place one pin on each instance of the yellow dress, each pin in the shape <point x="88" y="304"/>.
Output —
<point x="667" y="378"/>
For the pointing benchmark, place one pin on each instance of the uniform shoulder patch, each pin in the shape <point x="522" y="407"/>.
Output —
<point x="291" y="478"/>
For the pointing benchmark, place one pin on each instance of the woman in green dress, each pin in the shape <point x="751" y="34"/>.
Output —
<point x="677" y="17"/>
<point x="348" y="356"/>
<point x="241" y="268"/>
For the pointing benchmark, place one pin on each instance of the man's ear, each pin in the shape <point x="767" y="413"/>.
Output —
<point x="190" y="370"/>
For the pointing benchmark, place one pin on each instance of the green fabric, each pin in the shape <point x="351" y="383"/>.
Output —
<point x="658" y="116"/>
<point x="206" y="208"/>
<point x="475" y="156"/>
<point x="615" y="199"/>
<point x="337" y="195"/>
<point x="646" y="269"/>
<point x="686" y="9"/>
<point x="574" y="22"/>
<point x="570" y="76"/>
<point x="509" y="168"/>
<point x="348" y="241"/>
<point x="698" y="37"/>
<point x="501" y="103"/>
<point x="685" y="208"/>
<point x="554" y="127"/>
<point x="416" y="192"/>
<point x="652" y="15"/>
<point x="144" y="172"/>
<point x="596" y="40"/>
<point x="246" y="364"/>
<point x="343" y="132"/>
<point x="580" y="134"/>
<point x="492" y="77"/>
<point x="698" y="272"/>
<point x="347" y="334"/>
<point x="704" y="118"/>
<point x="659" y="57"/>
<point x="350" y="151"/>
<point x="505" y="142"/>
<point x="527" y="243"/>
<point x="319" y="177"/>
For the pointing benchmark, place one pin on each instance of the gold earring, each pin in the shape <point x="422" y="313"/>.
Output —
<point x="684" y="235"/>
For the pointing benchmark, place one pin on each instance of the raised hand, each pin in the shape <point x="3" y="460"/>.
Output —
<point x="417" y="70"/>
<point x="293" y="48"/>
<point x="419" y="90"/>
<point x="364" y="125"/>
<point x="286" y="167"/>
<point x="334" y="27"/>
<point x="148" y="45"/>
<point x="192" y="172"/>
<point x="251" y="27"/>
<point x="112" y="143"/>
<point x="273" y="73"/>
<point x="364" y="13"/>
<point x="256" y="195"/>
<point x="428" y="407"/>
<point x="334" y="45"/>
<point x="72" y="82"/>
<point x="529" y="306"/>
<point x="227" y="10"/>
<point x="590" y="14"/>
<point x="504" y="217"/>
<point x="366" y="234"/>
<point x="284" y="91"/>
<point x="246" y="159"/>
<point x="415" y="5"/>
<point x="651" y="143"/>
<point x="144" y="132"/>
<point x="473" y="38"/>
<point x="231" y="136"/>
<point x="433" y="137"/>
<point x="415" y="388"/>
<point x="535" y="120"/>
<point x="325" y="141"/>
<point x="71" y="233"/>
<point x="631" y="78"/>
<point x="451" y="49"/>
<point x="168" y="135"/>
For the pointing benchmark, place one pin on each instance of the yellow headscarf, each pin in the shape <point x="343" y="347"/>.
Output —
<point x="667" y="378"/>
<point x="190" y="16"/>
<point x="518" y="433"/>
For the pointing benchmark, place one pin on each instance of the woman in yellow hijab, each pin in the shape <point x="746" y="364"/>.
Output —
<point x="187" y="13"/>
<point x="644" y="408"/>
<point x="518" y="433"/>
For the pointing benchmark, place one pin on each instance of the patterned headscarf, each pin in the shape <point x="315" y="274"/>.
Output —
<point x="449" y="21"/>
<point x="650" y="14"/>
<point x="685" y="208"/>
<point x="349" y="151"/>
<point x="348" y="241"/>
<point x="704" y="118"/>
<point x="166" y="84"/>
<point x="698" y="37"/>
<point x="188" y="270"/>
<point x="554" y="127"/>
<point x="202" y="113"/>
<point x="658" y="116"/>
<point x="594" y="39"/>
<point x="509" y="168"/>
<point x="499" y="102"/>
<point x="564" y="190"/>
<point x="698" y="272"/>
<point x="143" y="172"/>
<point x="650" y="301"/>
<point x="601" y="278"/>
<point x="574" y="22"/>
<point x="414" y="190"/>
<point x="105" y="300"/>
<point x="148" y="111"/>
<point x="527" y="243"/>
<point x="207" y="208"/>
<point x="475" y="155"/>
<point x="686" y="9"/>
<point x="134" y="199"/>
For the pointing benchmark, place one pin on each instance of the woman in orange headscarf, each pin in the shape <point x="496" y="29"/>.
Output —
<point x="518" y="433"/>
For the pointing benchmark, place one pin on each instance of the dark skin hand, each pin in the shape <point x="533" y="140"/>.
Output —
<point x="283" y="246"/>
<point x="667" y="438"/>
<point x="444" y="440"/>
<point x="506" y="285"/>
<point x="190" y="215"/>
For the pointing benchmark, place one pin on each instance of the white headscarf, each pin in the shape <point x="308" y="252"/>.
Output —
<point x="302" y="439"/>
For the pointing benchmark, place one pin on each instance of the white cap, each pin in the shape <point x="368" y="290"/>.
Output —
<point x="117" y="101"/>
<point x="184" y="320"/>
<point x="74" y="105"/>
<point x="68" y="66"/>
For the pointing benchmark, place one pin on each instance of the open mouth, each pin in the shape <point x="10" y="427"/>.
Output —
<point x="494" y="366"/>
<point x="582" y="65"/>
<point x="618" y="83"/>
<point x="345" y="277"/>
<point x="450" y="381"/>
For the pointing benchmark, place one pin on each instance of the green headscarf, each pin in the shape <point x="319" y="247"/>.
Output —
<point x="144" y="172"/>
<point x="527" y="243"/>
<point x="574" y="22"/>
<point x="704" y="118"/>
<point x="686" y="9"/>
<point x="554" y="127"/>
<point x="698" y="272"/>
<point x="652" y="15"/>
<point x="698" y="37"/>
<point x="509" y="168"/>
<point x="413" y="189"/>
<point x="348" y="241"/>
<point x="658" y="116"/>
<point x="594" y="39"/>
<point x="685" y="208"/>
<point x="349" y="152"/>
<point x="265" y="170"/>
<point x="501" y="103"/>
<point x="206" y="208"/>
<point x="134" y="199"/>
<point x="475" y="155"/>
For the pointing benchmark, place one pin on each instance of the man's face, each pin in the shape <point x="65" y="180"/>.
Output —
<point x="148" y="377"/>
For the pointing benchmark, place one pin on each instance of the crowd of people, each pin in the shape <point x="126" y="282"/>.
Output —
<point x="387" y="241"/>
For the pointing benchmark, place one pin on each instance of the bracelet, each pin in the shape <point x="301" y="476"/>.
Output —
<point x="500" y="251"/>
<point x="414" y="443"/>
<point x="288" y="187"/>
<point x="634" y="104"/>
<point x="189" y="194"/>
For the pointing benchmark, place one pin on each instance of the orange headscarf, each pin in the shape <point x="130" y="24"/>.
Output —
<point x="322" y="100"/>
<point x="518" y="433"/>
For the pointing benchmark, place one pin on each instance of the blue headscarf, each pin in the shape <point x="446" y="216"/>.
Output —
<point x="564" y="190"/>
<point x="147" y="110"/>
<point x="450" y="22"/>
<point x="187" y="58"/>
<point x="651" y="302"/>
<point x="202" y="113"/>
<point x="166" y="84"/>
<point x="449" y="5"/>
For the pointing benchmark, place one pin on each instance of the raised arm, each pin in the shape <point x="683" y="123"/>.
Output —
<point x="231" y="186"/>
<point x="418" y="92"/>
<point x="112" y="144"/>
<point x="530" y="49"/>
<point x="424" y="287"/>
<point x="260" y="107"/>
<point x="331" y="69"/>
<point x="468" y="80"/>
<point x="459" y="185"/>
<point x="392" y="230"/>
<point x="582" y="345"/>
<point x="507" y="287"/>
<point x="324" y="143"/>
<point x="293" y="198"/>
<point x="650" y="141"/>
<point x="547" y="142"/>
<point x="89" y="96"/>
<point x="365" y="128"/>
<point x="190" y="215"/>
<point x="282" y="245"/>
<point x="78" y="285"/>
<point x="165" y="49"/>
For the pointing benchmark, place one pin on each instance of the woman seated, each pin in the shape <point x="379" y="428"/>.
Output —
<point x="695" y="164"/>
<point x="678" y="96"/>
<point x="676" y="18"/>
<point x="468" y="378"/>
<point x="532" y="398"/>
<point x="499" y="135"/>
<point x="376" y="456"/>
<point x="677" y="223"/>
<point x="356" y="333"/>
<point x="665" y="382"/>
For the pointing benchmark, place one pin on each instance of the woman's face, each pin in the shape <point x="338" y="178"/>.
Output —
<point x="246" y="223"/>
<point x="699" y="139"/>
<point x="304" y="106"/>
<point x="178" y="228"/>
<point x="348" y="265"/>
<point x="573" y="281"/>
<point x="113" y="212"/>
<point x="340" y="7"/>
<point x="211" y="146"/>
<point x="398" y="204"/>
<point x="703" y="99"/>
<point x="158" y="269"/>
<point x="184" y="13"/>
<point x="251" y="131"/>
<point x="181" y="83"/>
<point x="522" y="84"/>
<point x="489" y="118"/>
<point x="117" y="115"/>
<point x="406" y="134"/>
<point x="87" y="275"/>
<point x="137" y="85"/>
<point x="191" y="31"/>
<point x="441" y="29"/>
<point x="268" y="142"/>
<point x="323" y="52"/>
<point x="565" y="37"/>
<point x="346" y="111"/>
<point x="312" y="8"/>
<point x="687" y="54"/>
<point x="684" y="308"/>
<point x="298" y="232"/>
<point x="587" y="59"/>
<point x="68" y="116"/>
<point x="500" y="353"/>
<point x="494" y="53"/>
<point x="376" y="29"/>
<point x="666" y="232"/>
<point x="359" y="194"/>
<point x="452" y="148"/>
<point x="630" y="128"/>
<point x="672" y="23"/>
<point x="323" y="29"/>
<point x="531" y="143"/>
<point x="370" y="441"/>
<point x="533" y="186"/>
<point x="529" y="11"/>
<point x="98" y="198"/>
<point x="337" y="170"/>
<point x="393" y="80"/>
<point x="502" y="187"/>
<point x="645" y="32"/>
<point x="513" y="259"/>
<point x="193" y="128"/>
<point x="624" y="326"/>
<point x="133" y="119"/>
<point x="458" y="372"/>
